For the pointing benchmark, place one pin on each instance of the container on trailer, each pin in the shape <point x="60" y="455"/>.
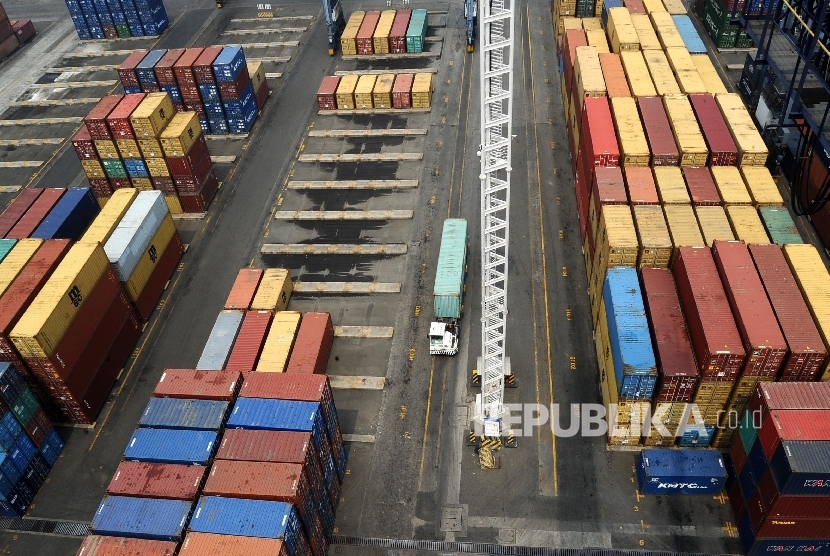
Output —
<point x="157" y="480"/>
<point x="221" y="339"/>
<point x="70" y="216"/>
<point x="634" y="149"/>
<point x="348" y="39"/>
<point x="677" y="371"/>
<point x="653" y="236"/>
<point x="690" y="36"/>
<point x="762" y="187"/>
<point x="662" y="471"/>
<point x="687" y="135"/>
<point x="279" y="342"/>
<point x="145" y="518"/>
<point x="715" y="339"/>
<point x="274" y="291"/>
<point x="126" y="71"/>
<point x="397" y="35"/>
<point x="714" y="225"/>
<point x="382" y="92"/>
<point x="110" y="216"/>
<point x="636" y="71"/>
<point x="249" y="342"/>
<point x="671" y="186"/>
<point x="326" y="93"/>
<point x="747" y="224"/>
<point x="779" y="224"/>
<point x="722" y="150"/>
<point x="171" y="446"/>
<point x="666" y="29"/>
<point x="312" y="345"/>
<point x="763" y="341"/>
<point x="184" y="414"/>
<point x="645" y="32"/>
<point x="365" y="44"/>
<point x="752" y="151"/>
<point x="198" y="385"/>
<point x="614" y="75"/>
<point x="708" y="74"/>
<point x="98" y="545"/>
<point x="211" y="544"/>
<point x="422" y="90"/>
<point x="661" y="73"/>
<point x="380" y="38"/>
<point x="135" y="231"/>
<point x="345" y="92"/>
<point x="152" y="115"/>
<point x="402" y="90"/>
<point x="36" y="213"/>
<point x="83" y="145"/>
<point x="701" y="186"/>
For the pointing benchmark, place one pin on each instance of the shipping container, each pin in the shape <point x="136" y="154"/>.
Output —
<point x="762" y="187"/>
<point x="621" y="32"/>
<point x="380" y="38"/>
<point x="272" y="446"/>
<point x="653" y="236"/>
<point x="722" y="150"/>
<point x="126" y="71"/>
<point x="752" y="151"/>
<point x="701" y="186"/>
<point x="707" y="72"/>
<point x="746" y="223"/>
<point x="135" y="231"/>
<point x="685" y="70"/>
<point x="312" y="345"/>
<point x="677" y="371"/>
<point x="645" y="32"/>
<point x="596" y="38"/>
<point x="84" y="146"/>
<point x="397" y="36"/>
<point x="607" y="188"/>
<point x="660" y="138"/>
<point x="792" y="425"/>
<point x="382" y="92"/>
<point x="666" y="29"/>
<point x="573" y="39"/>
<point x="779" y="224"/>
<point x="687" y="135"/>
<point x="800" y="467"/>
<point x="365" y="44"/>
<point x="634" y="149"/>
<point x="249" y="342"/>
<point x="690" y="36"/>
<point x="143" y="518"/>
<point x="422" y="90"/>
<point x="229" y="64"/>
<point x="98" y="545"/>
<point x="152" y="115"/>
<point x="613" y="75"/>
<point x="588" y="75"/>
<point x="661" y="72"/>
<point x="220" y="342"/>
<point x="279" y="342"/>
<point x="326" y="93"/>
<point x="715" y="339"/>
<point x="96" y="120"/>
<point x="730" y="185"/>
<point x="598" y="135"/>
<point x="671" y="187"/>
<point x="15" y="261"/>
<point x="6" y="245"/>
<point x="203" y="65"/>
<point x="274" y="291"/>
<point x="180" y="134"/>
<point x="616" y="244"/>
<point x="416" y="31"/>
<point x="150" y="258"/>
<point x="36" y="213"/>
<point x="171" y="446"/>
<point x="183" y="414"/>
<point x="402" y="90"/>
<point x="210" y="544"/>
<point x="661" y="471"/>
<point x="118" y="121"/>
<point x="775" y="504"/>
<point x="348" y="39"/>
<point x="199" y="385"/>
<point x="157" y="480"/>
<point x="714" y="225"/>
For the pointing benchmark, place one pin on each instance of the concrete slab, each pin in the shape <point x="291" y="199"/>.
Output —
<point x="333" y="249"/>
<point x="342" y="288"/>
<point x="370" y="157"/>
<point x="356" y="382"/>
<point x="353" y="184"/>
<point x="363" y="332"/>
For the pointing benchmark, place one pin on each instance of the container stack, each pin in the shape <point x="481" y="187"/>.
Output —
<point x="13" y="34"/>
<point x="780" y="461"/>
<point x="29" y="446"/>
<point x="371" y="92"/>
<point x="717" y="19"/>
<point x="387" y="32"/>
<point x="117" y="19"/>
<point x="49" y="213"/>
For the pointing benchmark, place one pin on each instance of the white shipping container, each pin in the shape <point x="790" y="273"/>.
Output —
<point x="127" y="243"/>
<point x="220" y="342"/>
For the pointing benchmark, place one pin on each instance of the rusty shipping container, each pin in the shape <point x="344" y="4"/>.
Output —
<point x="365" y="42"/>
<point x="326" y="99"/>
<point x="722" y="149"/>
<point x="614" y="75"/>
<point x="402" y="90"/>
<point x="397" y="37"/>
<point x="717" y="344"/>
<point x="212" y="544"/>
<point x="639" y="183"/>
<point x="701" y="186"/>
<point x="243" y="289"/>
<point x="249" y="342"/>
<point x="157" y="480"/>
<point x="99" y="545"/>
<point x="598" y="136"/>
<point x="313" y="345"/>
<point x="198" y="385"/>
<point x="658" y="131"/>
<point x="96" y="120"/>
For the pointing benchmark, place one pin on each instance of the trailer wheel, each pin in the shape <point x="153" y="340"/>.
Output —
<point x="465" y="288"/>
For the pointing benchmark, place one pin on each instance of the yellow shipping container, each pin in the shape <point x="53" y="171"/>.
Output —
<point x="106" y="149"/>
<point x="568" y="23"/>
<point x="752" y="151"/>
<point x="615" y="244"/>
<point x="707" y="72"/>
<point x="345" y="92"/>
<point x="107" y="220"/>
<point x="596" y="38"/>
<point x="666" y="30"/>
<point x="762" y="187"/>
<point x="714" y="224"/>
<point x="621" y="32"/>
<point x="157" y="167"/>
<point x="683" y="227"/>
<point x="730" y="185"/>
<point x="661" y="73"/>
<point x="746" y="224"/>
<point x="712" y="393"/>
<point x="150" y="148"/>
<point x="256" y="70"/>
<point x="274" y="291"/>
<point x="591" y="23"/>
<point x="15" y="260"/>
<point x="93" y="169"/>
<point x="653" y="236"/>
<point x="280" y="341"/>
<point x="180" y="134"/>
<point x="589" y="79"/>
<point x="128" y="148"/>
<point x="102" y="201"/>
<point x="147" y="264"/>
<point x="422" y="90"/>
<point x="645" y="32"/>
<point x="687" y="76"/>
<point x="380" y="39"/>
<point x="812" y="278"/>
<point x="382" y="93"/>
<point x="687" y="135"/>
<point x="174" y="204"/>
<point x="153" y="114"/>
<point x="636" y="72"/>
<point x="654" y="6"/>
<point x="670" y="413"/>
<point x="45" y="322"/>
<point x="634" y="150"/>
<point x="363" y="92"/>
<point x="675" y="7"/>
<point x="142" y="184"/>
<point x="348" y="39"/>
<point x="671" y="187"/>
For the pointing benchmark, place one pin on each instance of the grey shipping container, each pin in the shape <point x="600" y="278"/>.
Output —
<point x="221" y="340"/>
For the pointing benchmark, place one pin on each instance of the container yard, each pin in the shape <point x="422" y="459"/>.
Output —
<point x="219" y="229"/>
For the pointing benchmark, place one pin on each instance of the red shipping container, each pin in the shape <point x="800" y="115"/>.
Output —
<point x="38" y="427"/>
<point x="188" y="174"/>
<point x="639" y="182"/>
<point x="262" y="94"/>
<point x="101" y="187"/>
<point x="5" y="29"/>
<point x="243" y="289"/>
<point x="715" y="339"/>
<point x="764" y="344"/>
<point x="198" y="202"/>
<point x="736" y="500"/>
<point x="608" y="187"/>
<point x="165" y="185"/>
<point x="126" y="71"/>
<point x="313" y="345"/>
<point x="164" y="67"/>
<point x="196" y="106"/>
<point x="96" y="120"/>
<point x="397" y="36"/>
<point x="325" y="94"/>
<point x="248" y="345"/>
<point x="258" y="480"/>
<point x="18" y="207"/>
<point x="190" y="93"/>
<point x="120" y="183"/>
<point x="774" y="504"/>
<point x="203" y="66"/>
<point x="110" y="31"/>
<point x="150" y="89"/>
<point x="24" y="30"/>
<point x="84" y="147"/>
<point x="402" y="90"/>
<point x="793" y="424"/>
<point x="183" y="68"/>
<point x="573" y="39"/>
<point x="701" y="186"/>
<point x="581" y="189"/>
<point x="791" y="528"/>
<point x="365" y="44"/>
<point x="210" y="544"/>
<point x="157" y="480"/>
<point x="234" y="90"/>
<point x="658" y="132"/>
<point x="770" y="396"/>
<point x="159" y="278"/>
<point x="118" y="120"/>
<point x="10" y="44"/>
<point x="635" y="6"/>
<point x="198" y="385"/>
<point x="807" y="351"/>
<point x="96" y="545"/>
<point x="614" y="75"/>
<point x="29" y="222"/>
<point x="678" y="373"/>
<point x="598" y="138"/>
<point x="738" y="453"/>
<point x="722" y="149"/>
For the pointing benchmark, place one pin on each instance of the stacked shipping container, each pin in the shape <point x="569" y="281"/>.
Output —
<point x="13" y="34"/>
<point x="382" y="33"/>
<point x="385" y="91"/>
<point x="117" y="19"/>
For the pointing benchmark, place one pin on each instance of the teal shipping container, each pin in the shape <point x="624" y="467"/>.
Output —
<point x="416" y="33"/>
<point x="779" y="225"/>
<point x="452" y="266"/>
<point x="6" y="245"/>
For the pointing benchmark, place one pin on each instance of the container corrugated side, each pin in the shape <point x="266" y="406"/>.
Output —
<point x="243" y="289"/>
<point x="345" y="92"/>
<point x="614" y="75"/>
<point x="15" y="261"/>
<point x="687" y="134"/>
<point x="348" y="39"/>
<point x="70" y="216"/>
<point x="157" y="480"/>
<point x="171" y="446"/>
<point x="616" y="244"/>
<point x="147" y="518"/>
<point x="183" y="414"/>
<point x="134" y="232"/>
<point x="660" y="137"/>
<point x="621" y="32"/>
<point x="666" y="29"/>
<point x="199" y="385"/>
<point x="98" y="545"/>
<point x="746" y="224"/>
<point x="701" y="186"/>
<point x="382" y="93"/>
<point x="596" y="38"/>
<point x="654" y="6"/>
<point x="779" y="225"/>
<point x="812" y="278"/>
<point x="689" y="34"/>
<point x="634" y="149"/>
<point x="636" y="71"/>
<point x="653" y="236"/>
<point x="363" y="92"/>
<point x="607" y="188"/>
<point x="731" y="186"/>
<point x="683" y="227"/>
<point x="639" y="183"/>
<point x="312" y="345"/>
<point x="722" y="150"/>
<point x="6" y="245"/>
<point x="714" y="225"/>
<point x="274" y="291"/>
<point x="662" y="471"/>
<point x="150" y="259"/>
<point x="18" y="207"/>
<point x="249" y="342"/>
<point x="686" y="71"/>
<point x="211" y="544"/>
<point x="762" y="187"/>
<point x="645" y="32"/>
<point x="279" y="342"/>
<point x="422" y="90"/>
<point x="451" y="268"/>
<point x="589" y="81"/>
<point x="221" y="339"/>
<point x="671" y="186"/>
<point x="661" y="73"/>
<point x="380" y="39"/>
<point x="707" y="72"/>
<point x="752" y="151"/>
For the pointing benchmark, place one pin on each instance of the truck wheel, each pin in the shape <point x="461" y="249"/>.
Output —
<point x="465" y="288"/>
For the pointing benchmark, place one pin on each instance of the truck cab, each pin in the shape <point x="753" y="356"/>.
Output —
<point x="443" y="338"/>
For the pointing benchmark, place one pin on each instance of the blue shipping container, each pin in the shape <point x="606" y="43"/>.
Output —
<point x="606" y="5"/>
<point x="634" y="387"/>
<point x="229" y="63"/>
<point x="218" y="126"/>
<point x="209" y="92"/>
<point x="70" y="217"/>
<point x="171" y="446"/>
<point x="136" y="167"/>
<point x="690" y="36"/>
<point x="280" y="415"/>
<point x="145" y="69"/>
<point x="142" y="518"/>
<point x="51" y="447"/>
<point x="219" y="343"/>
<point x="250" y="518"/>
<point x="103" y="12"/>
<point x="243" y="125"/>
<point x="11" y="384"/>
<point x="237" y="108"/>
<point x="173" y="91"/>
<point x="174" y="413"/>
<point x="661" y="471"/>
<point x="801" y="468"/>
<point x="697" y="437"/>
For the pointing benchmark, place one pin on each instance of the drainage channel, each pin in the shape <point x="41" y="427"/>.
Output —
<point x="44" y="526"/>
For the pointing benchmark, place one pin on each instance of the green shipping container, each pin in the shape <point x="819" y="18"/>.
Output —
<point x="779" y="225"/>
<point x="416" y="33"/>
<point x="716" y="19"/>
<point x="123" y="31"/>
<point x="448" y="292"/>
<point x="743" y="40"/>
<point x="585" y="8"/>
<point x="6" y="246"/>
<point x="114" y="168"/>
<point x="25" y="407"/>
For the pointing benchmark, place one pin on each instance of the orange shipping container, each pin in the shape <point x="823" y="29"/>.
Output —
<point x="614" y="75"/>
<point x="210" y="544"/>
<point x="244" y="288"/>
<point x="365" y="36"/>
